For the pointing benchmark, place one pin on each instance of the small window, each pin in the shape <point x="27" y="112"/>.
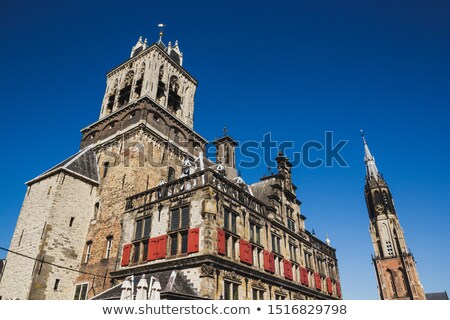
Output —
<point x="56" y="284"/>
<point x="171" y="174"/>
<point x="81" y="291"/>
<point x="88" y="251"/>
<point x="258" y="294"/>
<point x="71" y="221"/>
<point x="96" y="207"/>
<point x="108" y="247"/>
<point x="49" y="190"/>
<point x="231" y="291"/>
<point x="276" y="244"/>
<point x="105" y="169"/>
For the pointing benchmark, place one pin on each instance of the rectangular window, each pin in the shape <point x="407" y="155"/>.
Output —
<point x="179" y="218"/>
<point x="56" y="284"/>
<point x="143" y="228"/>
<point x="138" y="229"/>
<point x="230" y="221"/>
<point x="88" y="251"/>
<point x="178" y="233"/>
<point x="279" y="297"/>
<point x="258" y="294"/>
<point x="136" y="251"/>
<point x="145" y="250"/>
<point x="231" y="291"/>
<point x="293" y="252"/>
<point x="276" y="244"/>
<point x="257" y="257"/>
<point x="308" y="260"/>
<point x="80" y="291"/>
<point x="255" y="233"/>
<point x="108" y="247"/>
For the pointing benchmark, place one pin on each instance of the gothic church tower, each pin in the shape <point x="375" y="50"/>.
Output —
<point x="395" y="267"/>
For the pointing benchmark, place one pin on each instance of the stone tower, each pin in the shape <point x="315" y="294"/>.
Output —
<point x="395" y="267"/>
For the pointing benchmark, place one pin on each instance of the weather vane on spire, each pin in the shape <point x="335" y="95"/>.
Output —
<point x="362" y="134"/>
<point x="161" y="31"/>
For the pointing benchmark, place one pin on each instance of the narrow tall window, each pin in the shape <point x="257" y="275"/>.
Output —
<point x="290" y="218"/>
<point x="171" y="174"/>
<point x="231" y="290"/>
<point x="105" y="169"/>
<point x="108" y="247"/>
<point x="72" y="219"/>
<point x="276" y="244"/>
<point x="56" y="284"/>
<point x="88" y="251"/>
<point x="96" y="207"/>
<point x="178" y="230"/>
<point x="141" y="238"/>
<point x="255" y="233"/>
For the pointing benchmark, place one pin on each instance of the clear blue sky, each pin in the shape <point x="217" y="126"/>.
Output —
<point x="296" y="69"/>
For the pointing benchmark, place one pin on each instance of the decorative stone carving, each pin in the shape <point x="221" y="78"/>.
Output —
<point x="233" y="276"/>
<point x="259" y="284"/>
<point x="207" y="270"/>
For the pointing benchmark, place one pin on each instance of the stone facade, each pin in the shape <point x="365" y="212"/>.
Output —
<point x="52" y="227"/>
<point x="146" y="200"/>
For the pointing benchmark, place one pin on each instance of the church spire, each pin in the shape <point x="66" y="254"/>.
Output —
<point x="369" y="160"/>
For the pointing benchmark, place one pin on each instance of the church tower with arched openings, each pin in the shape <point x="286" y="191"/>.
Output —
<point x="395" y="267"/>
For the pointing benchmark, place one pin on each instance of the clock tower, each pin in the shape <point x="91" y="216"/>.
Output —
<point x="395" y="267"/>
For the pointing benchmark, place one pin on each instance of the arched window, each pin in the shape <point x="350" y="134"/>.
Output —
<point x="171" y="174"/>
<point x="96" y="208"/>
<point x="124" y="93"/>
<point x="161" y="93"/>
<point x="390" y="276"/>
<point x="105" y="169"/>
<point x="112" y="98"/>
<point x="402" y="282"/>
<point x="377" y="198"/>
<point x="139" y="82"/>
<point x="174" y="101"/>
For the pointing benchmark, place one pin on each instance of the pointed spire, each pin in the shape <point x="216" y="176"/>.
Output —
<point x="369" y="160"/>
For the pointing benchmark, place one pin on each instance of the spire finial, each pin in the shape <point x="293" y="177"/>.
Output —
<point x="225" y="130"/>
<point x="362" y="134"/>
<point x="161" y="31"/>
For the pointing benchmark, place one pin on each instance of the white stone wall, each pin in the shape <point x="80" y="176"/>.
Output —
<point x="45" y="219"/>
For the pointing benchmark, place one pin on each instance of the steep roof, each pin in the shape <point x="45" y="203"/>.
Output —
<point x="180" y="289"/>
<point x="82" y="164"/>
<point x="262" y="189"/>
<point x="437" y="296"/>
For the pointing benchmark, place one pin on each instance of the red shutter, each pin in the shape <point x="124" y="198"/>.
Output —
<point x="318" y="281"/>
<point x="126" y="255"/>
<point x="267" y="261"/>
<point x="338" y="289"/>
<point x="272" y="262"/>
<point x="243" y="250"/>
<point x="162" y="247"/>
<point x="221" y="242"/>
<point x="329" y="286"/>
<point x="304" y="276"/>
<point x="288" y="269"/>
<point x="250" y="253"/>
<point x="193" y="237"/>
<point x="152" y="249"/>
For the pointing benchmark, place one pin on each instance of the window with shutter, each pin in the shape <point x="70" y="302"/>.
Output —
<point x="267" y="261"/>
<point x="338" y="289"/>
<point x="193" y="239"/>
<point x="126" y="255"/>
<point x="287" y="269"/>
<point x="221" y="249"/>
<point x="152" y="249"/>
<point x="318" y="281"/>
<point x="329" y="286"/>
<point x="304" y="276"/>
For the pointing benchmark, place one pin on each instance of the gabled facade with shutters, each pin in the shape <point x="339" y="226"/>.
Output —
<point x="156" y="204"/>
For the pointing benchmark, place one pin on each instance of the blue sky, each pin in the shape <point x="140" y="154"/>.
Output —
<point x="295" y="69"/>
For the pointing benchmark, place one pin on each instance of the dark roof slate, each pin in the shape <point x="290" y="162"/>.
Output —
<point x="82" y="163"/>
<point x="437" y="296"/>
<point x="262" y="189"/>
